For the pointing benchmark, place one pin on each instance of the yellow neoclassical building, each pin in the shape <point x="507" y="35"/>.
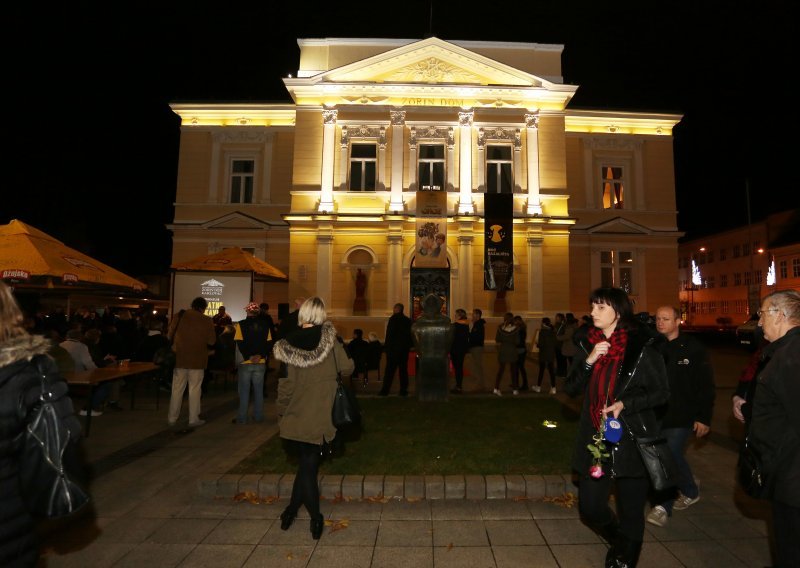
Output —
<point x="327" y="189"/>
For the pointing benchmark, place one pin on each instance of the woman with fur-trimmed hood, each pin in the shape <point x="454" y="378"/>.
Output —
<point x="20" y="387"/>
<point x="313" y="354"/>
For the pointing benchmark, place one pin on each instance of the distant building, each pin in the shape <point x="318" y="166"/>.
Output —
<point x="732" y="270"/>
<point x="330" y="183"/>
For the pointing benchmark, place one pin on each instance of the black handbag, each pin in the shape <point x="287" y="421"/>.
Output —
<point x="345" y="412"/>
<point x="658" y="461"/>
<point x="750" y="472"/>
<point x="48" y="460"/>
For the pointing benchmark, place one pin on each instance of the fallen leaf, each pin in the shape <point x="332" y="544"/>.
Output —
<point x="520" y="498"/>
<point x="339" y="525"/>
<point x="246" y="496"/>
<point x="413" y="499"/>
<point x="567" y="500"/>
<point x="450" y="546"/>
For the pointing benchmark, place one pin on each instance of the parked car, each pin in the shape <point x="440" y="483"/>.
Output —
<point x="749" y="334"/>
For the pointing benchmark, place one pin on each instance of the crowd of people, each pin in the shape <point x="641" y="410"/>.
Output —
<point x="647" y="378"/>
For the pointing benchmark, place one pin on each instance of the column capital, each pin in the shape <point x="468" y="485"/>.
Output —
<point x="397" y="117"/>
<point x="329" y="116"/>
<point x="465" y="118"/>
<point x="532" y="120"/>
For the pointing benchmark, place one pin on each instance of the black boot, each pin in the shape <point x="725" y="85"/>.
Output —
<point x="287" y="518"/>
<point x="624" y="553"/>
<point x="610" y="533"/>
<point x="317" y="524"/>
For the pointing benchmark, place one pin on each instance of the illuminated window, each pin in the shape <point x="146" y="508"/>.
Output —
<point x="499" y="176"/>
<point x="784" y="269"/>
<point x="709" y="283"/>
<point x="363" y="167"/>
<point x="616" y="269"/>
<point x="431" y="167"/>
<point x="613" y="187"/>
<point x="242" y="172"/>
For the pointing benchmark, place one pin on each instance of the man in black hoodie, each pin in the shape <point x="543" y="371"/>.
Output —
<point x="477" y="335"/>
<point x="398" y="345"/>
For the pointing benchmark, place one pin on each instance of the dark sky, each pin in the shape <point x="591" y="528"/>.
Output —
<point x="94" y="144"/>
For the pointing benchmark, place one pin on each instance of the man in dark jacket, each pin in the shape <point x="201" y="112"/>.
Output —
<point x="398" y="344"/>
<point x="252" y="337"/>
<point x="691" y="386"/>
<point x="477" y="335"/>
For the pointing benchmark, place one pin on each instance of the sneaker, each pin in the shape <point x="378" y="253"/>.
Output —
<point x="196" y="424"/>
<point x="515" y="392"/>
<point x="553" y="390"/>
<point x="497" y="392"/>
<point x="658" y="516"/>
<point x="684" y="502"/>
<point x="84" y="412"/>
<point x="537" y="389"/>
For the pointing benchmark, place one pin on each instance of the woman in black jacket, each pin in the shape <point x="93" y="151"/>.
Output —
<point x="20" y="384"/>
<point x="622" y="376"/>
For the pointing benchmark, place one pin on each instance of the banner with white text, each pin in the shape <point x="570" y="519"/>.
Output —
<point x="498" y="248"/>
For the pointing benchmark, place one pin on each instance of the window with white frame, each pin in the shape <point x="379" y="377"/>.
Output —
<point x="242" y="179"/>
<point x="616" y="269"/>
<point x="363" y="166"/>
<point x="613" y="187"/>
<point x="499" y="169"/>
<point x="784" y="269"/>
<point x="430" y="167"/>
<point x="796" y="268"/>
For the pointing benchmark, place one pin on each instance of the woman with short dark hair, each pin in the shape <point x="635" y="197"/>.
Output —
<point x="622" y="376"/>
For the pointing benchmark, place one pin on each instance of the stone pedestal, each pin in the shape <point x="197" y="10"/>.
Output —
<point x="360" y="307"/>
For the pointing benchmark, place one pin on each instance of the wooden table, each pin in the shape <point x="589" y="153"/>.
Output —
<point x="96" y="377"/>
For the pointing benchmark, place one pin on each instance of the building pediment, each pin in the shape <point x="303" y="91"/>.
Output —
<point x="433" y="71"/>
<point x="431" y="61"/>
<point x="618" y="225"/>
<point x="236" y="220"/>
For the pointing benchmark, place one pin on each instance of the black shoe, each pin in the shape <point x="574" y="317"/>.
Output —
<point x="317" y="524"/>
<point x="287" y="518"/>
<point x="456" y="390"/>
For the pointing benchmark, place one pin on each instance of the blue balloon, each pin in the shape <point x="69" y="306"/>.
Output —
<point x="613" y="431"/>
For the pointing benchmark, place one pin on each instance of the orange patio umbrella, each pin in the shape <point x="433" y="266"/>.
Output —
<point x="30" y="258"/>
<point x="234" y="260"/>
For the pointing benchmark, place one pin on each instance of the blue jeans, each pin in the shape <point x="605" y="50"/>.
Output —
<point x="251" y="376"/>
<point x="676" y="440"/>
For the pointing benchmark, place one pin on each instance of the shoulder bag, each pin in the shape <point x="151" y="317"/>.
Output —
<point x="345" y="412"/>
<point x="658" y="461"/>
<point x="49" y="486"/>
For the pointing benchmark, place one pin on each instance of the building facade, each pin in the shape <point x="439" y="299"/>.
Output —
<point x="326" y="189"/>
<point x="724" y="276"/>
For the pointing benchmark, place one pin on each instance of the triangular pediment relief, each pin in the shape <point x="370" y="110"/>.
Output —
<point x="235" y="220"/>
<point x="619" y="225"/>
<point x="430" y="61"/>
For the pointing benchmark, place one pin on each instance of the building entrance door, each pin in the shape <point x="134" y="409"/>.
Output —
<point x="426" y="281"/>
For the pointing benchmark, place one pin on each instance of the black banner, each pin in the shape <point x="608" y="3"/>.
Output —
<point x="498" y="248"/>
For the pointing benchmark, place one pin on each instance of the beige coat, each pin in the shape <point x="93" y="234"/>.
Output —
<point x="193" y="334"/>
<point x="305" y="397"/>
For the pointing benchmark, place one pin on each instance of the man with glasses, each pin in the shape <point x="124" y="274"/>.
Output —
<point x="774" y="432"/>
<point x="691" y="386"/>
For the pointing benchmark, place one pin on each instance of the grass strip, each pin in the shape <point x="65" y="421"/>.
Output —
<point x="467" y="435"/>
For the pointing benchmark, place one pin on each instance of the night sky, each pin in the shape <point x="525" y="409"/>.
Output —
<point x="94" y="145"/>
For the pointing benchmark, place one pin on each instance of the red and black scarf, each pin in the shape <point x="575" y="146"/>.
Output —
<point x="605" y="371"/>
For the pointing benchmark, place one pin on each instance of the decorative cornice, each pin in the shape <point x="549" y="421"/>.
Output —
<point x="242" y="135"/>
<point x="498" y="133"/>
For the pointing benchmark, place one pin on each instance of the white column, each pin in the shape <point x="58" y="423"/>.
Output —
<point x="394" y="270"/>
<point x="266" y="184"/>
<point x="465" y="206"/>
<point x="532" y="135"/>
<point x="465" y="270"/>
<point x="213" y="176"/>
<point x="535" y="273"/>
<point x="398" y="120"/>
<point x="412" y="159"/>
<point x="328" y="151"/>
<point x="324" y="263"/>
<point x="381" y="165"/>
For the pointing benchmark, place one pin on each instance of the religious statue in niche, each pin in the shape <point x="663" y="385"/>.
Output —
<point x="360" y="303"/>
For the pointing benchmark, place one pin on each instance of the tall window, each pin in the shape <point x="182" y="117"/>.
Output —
<point x="363" y="166"/>
<point x="736" y="251"/>
<point x="796" y="268"/>
<point x="616" y="269"/>
<point x="745" y="249"/>
<point x="723" y="254"/>
<point x="242" y="181"/>
<point x="737" y="278"/>
<point x="723" y="280"/>
<point x="431" y="167"/>
<point x="784" y="269"/>
<point x="613" y="187"/>
<point x="499" y="177"/>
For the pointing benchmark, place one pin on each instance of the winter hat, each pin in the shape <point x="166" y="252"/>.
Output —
<point x="252" y="308"/>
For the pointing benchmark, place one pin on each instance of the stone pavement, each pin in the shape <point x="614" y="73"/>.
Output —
<point x="161" y="499"/>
